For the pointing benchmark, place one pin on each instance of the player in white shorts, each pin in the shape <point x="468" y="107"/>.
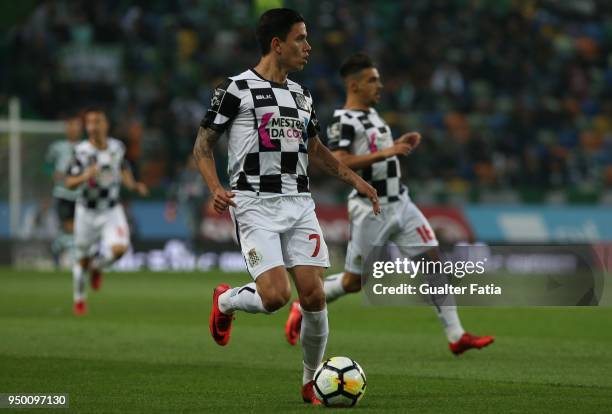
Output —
<point x="272" y="134"/>
<point x="361" y="139"/>
<point x="97" y="170"/>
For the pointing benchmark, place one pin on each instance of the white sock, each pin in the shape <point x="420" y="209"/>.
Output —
<point x="69" y="245"/>
<point x="63" y="242"/>
<point x="313" y="336"/>
<point x="78" y="282"/>
<point x="244" y="298"/>
<point x="332" y="285"/>
<point x="446" y="309"/>
<point x="103" y="259"/>
<point x="450" y="321"/>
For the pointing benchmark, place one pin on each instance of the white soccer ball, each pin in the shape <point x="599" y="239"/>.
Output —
<point x="339" y="382"/>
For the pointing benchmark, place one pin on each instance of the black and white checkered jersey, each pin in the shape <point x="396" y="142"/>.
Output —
<point x="267" y="125"/>
<point x="365" y="132"/>
<point x="102" y="191"/>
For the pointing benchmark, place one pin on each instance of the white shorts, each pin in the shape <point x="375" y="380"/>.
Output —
<point x="400" y="222"/>
<point x="278" y="231"/>
<point x="108" y="227"/>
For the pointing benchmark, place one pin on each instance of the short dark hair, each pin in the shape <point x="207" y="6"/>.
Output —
<point x="94" y="108"/>
<point x="275" y="23"/>
<point x="355" y="64"/>
<point x="71" y="114"/>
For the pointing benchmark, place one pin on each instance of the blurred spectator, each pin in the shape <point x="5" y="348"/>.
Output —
<point x="189" y="195"/>
<point x="447" y="79"/>
<point x="507" y="94"/>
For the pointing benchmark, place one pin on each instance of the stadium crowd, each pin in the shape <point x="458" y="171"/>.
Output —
<point x="508" y="94"/>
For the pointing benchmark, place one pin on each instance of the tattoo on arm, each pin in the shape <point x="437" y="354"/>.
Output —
<point x="205" y="143"/>
<point x="325" y="160"/>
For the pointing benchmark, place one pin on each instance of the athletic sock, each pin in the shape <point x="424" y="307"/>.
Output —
<point x="68" y="243"/>
<point x="103" y="259"/>
<point x="62" y="248"/>
<point x="244" y="298"/>
<point x="446" y="308"/>
<point x="314" y="333"/>
<point x="78" y="282"/>
<point x="332" y="285"/>
<point x="450" y="321"/>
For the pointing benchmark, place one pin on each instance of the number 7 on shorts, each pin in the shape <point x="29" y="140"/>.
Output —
<point x="317" y="246"/>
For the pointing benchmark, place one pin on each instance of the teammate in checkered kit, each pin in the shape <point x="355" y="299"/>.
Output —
<point x="97" y="170"/>
<point x="361" y="139"/>
<point x="272" y="133"/>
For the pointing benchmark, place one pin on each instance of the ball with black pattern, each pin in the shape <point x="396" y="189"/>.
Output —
<point x="339" y="382"/>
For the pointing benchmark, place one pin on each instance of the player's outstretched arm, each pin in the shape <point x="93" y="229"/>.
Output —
<point x="130" y="183"/>
<point x="73" y="181"/>
<point x="411" y="138"/>
<point x="321" y="157"/>
<point x="204" y="156"/>
<point x="357" y="162"/>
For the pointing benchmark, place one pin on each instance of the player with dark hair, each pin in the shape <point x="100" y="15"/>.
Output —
<point x="59" y="155"/>
<point x="97" y="170"/>
<point x="272" y="133"/>
<point x="362" y="140"/>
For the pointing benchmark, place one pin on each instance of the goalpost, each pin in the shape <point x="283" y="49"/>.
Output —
<point x="16" y="127"/>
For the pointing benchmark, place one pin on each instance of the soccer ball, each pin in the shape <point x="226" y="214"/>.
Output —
<point x="339" y="382"/>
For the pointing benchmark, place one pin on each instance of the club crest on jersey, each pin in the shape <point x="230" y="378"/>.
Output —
<point x="215" y="102"/>
<point x="301" y="102"/>
<point x="254" y="257"/>
<point x="333" y="131"/>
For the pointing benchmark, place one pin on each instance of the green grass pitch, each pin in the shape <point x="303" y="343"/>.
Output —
<point x="145" y="347"/>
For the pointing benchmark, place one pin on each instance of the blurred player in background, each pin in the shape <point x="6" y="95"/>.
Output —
<point x="272" y="133"/>
<point x="59" y="155"/>
<point x="189" y="195"/>
<point x="97" y="170"/>
<point x="362" y="140"/>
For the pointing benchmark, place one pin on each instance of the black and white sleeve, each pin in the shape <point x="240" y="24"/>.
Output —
<point x="224" y="106"/>
<point x="340" y="134"/>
